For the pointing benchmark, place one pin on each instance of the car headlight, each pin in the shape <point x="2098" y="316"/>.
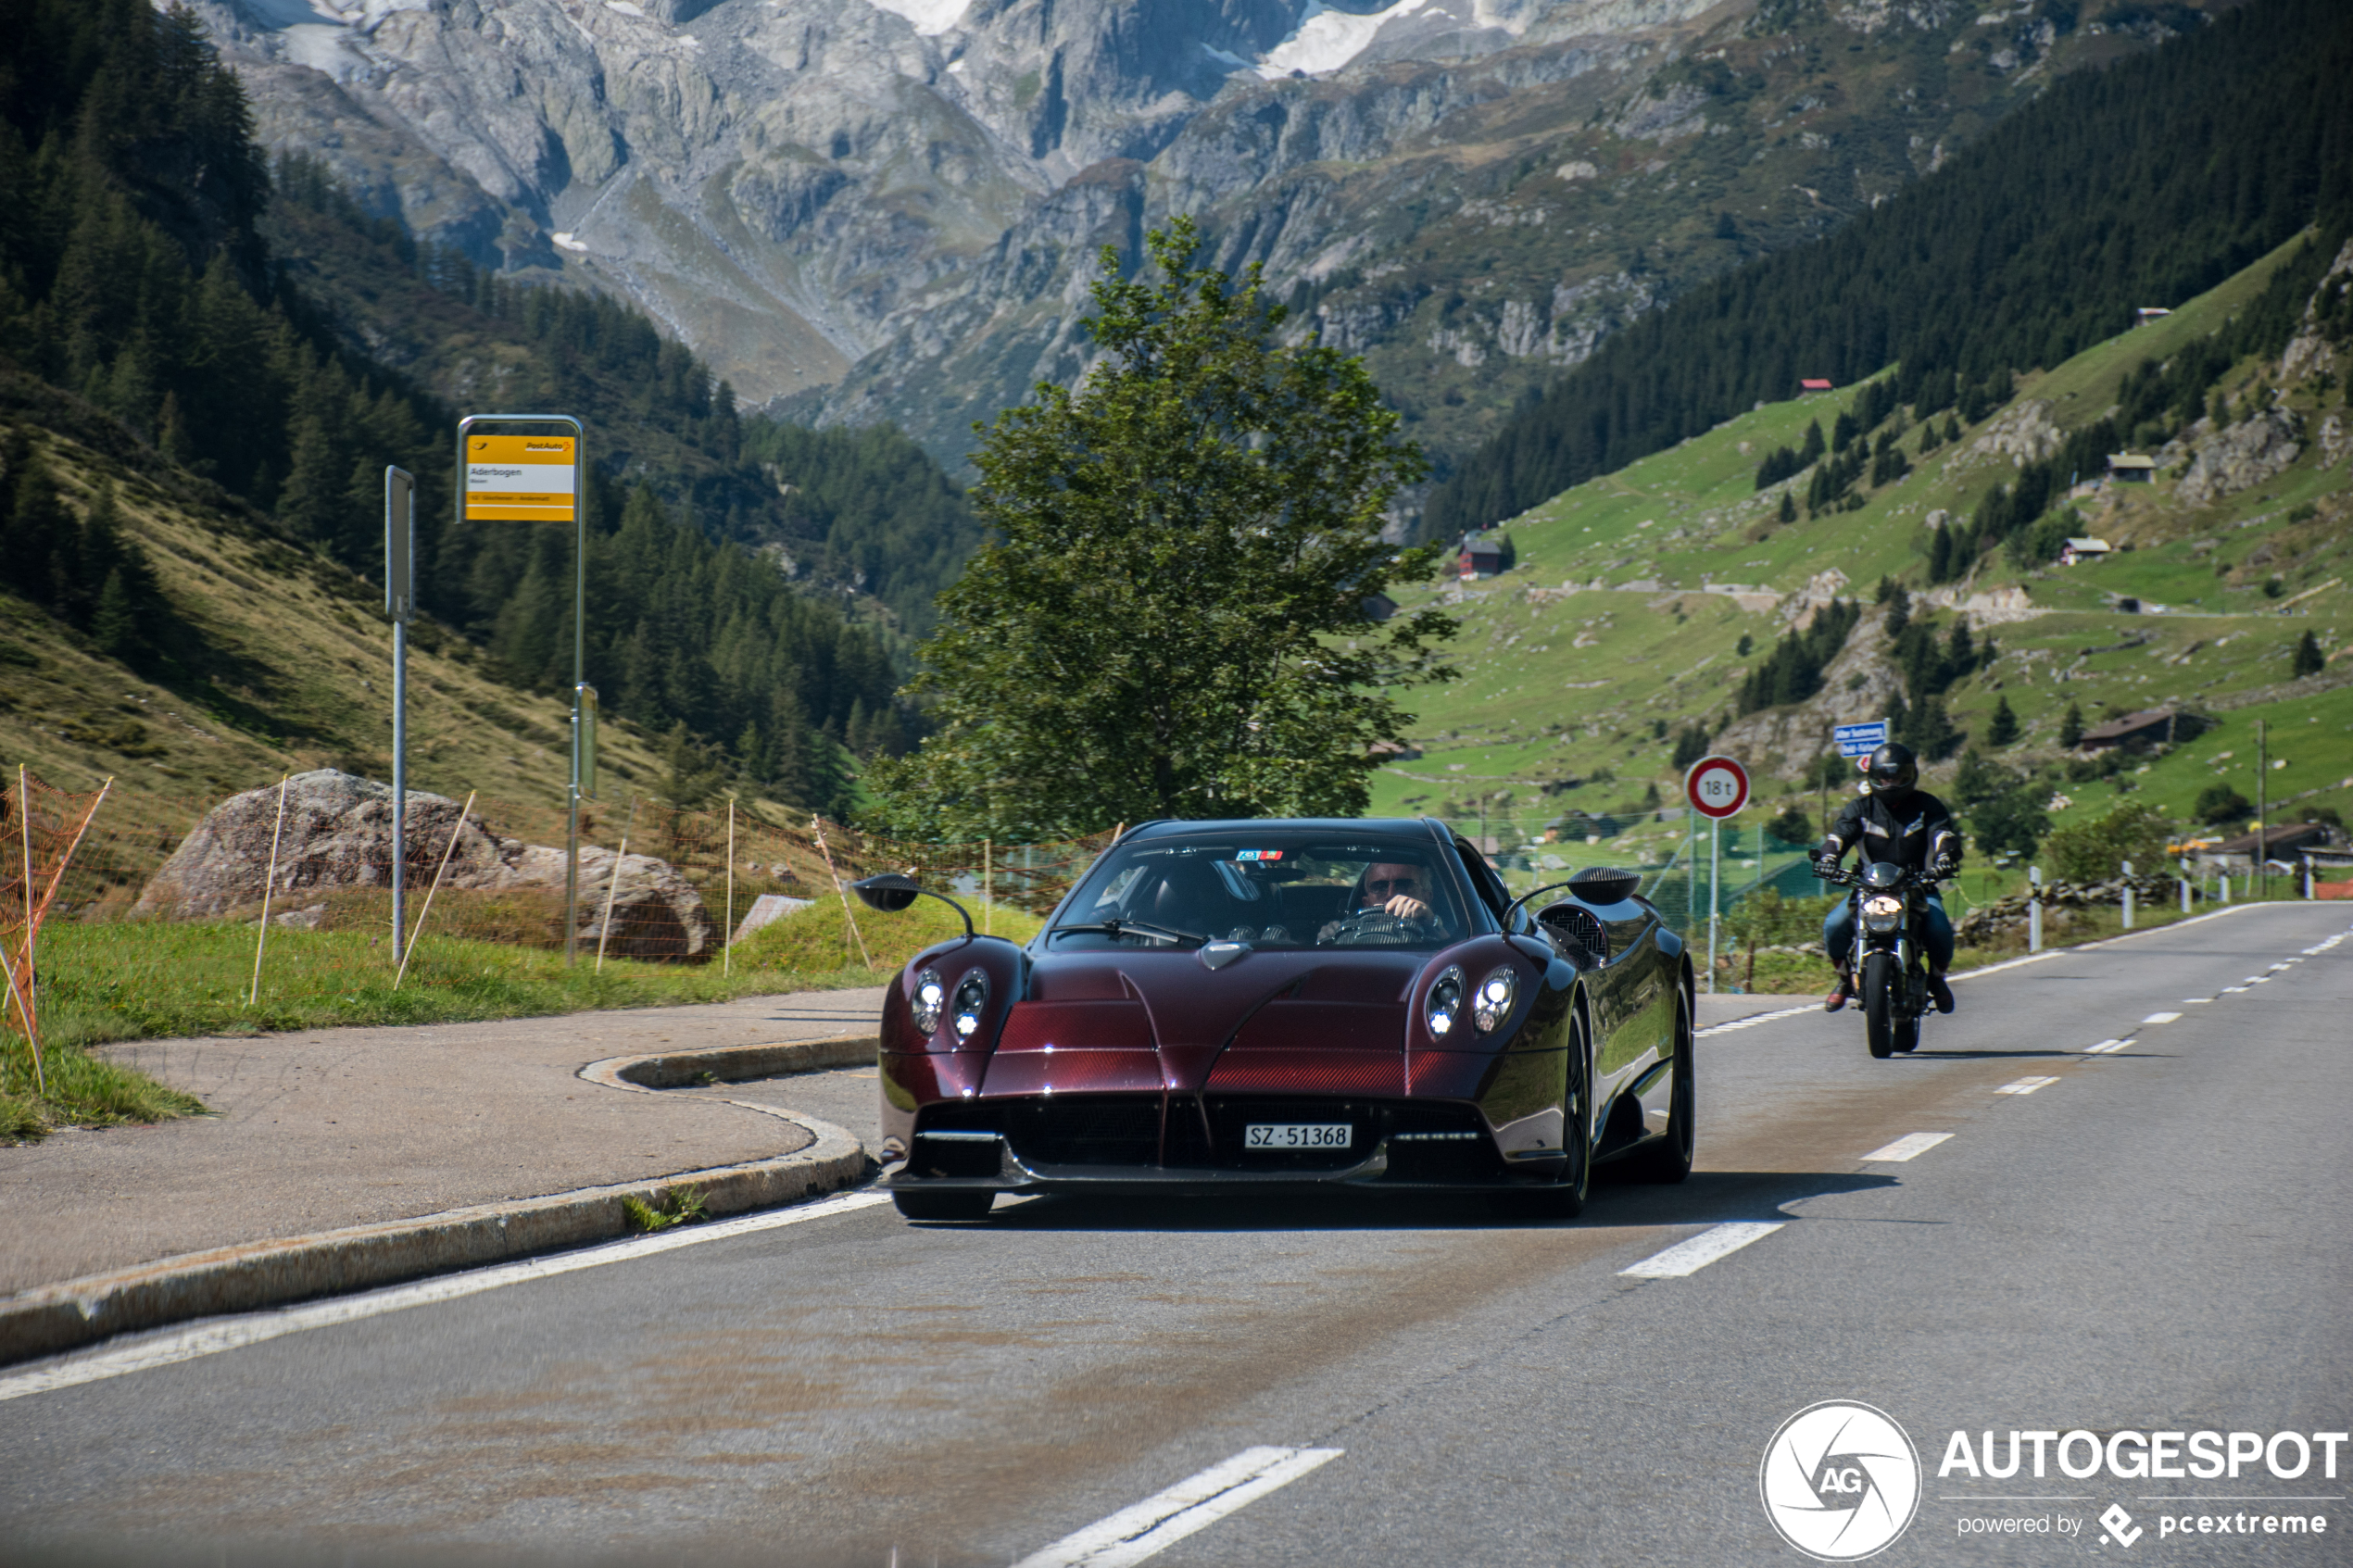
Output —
<point x="1493" y="1003"/>
<point x="931" y="1001"/>
<point x="1445" y="1004"/>
<point x="972" y="996"/>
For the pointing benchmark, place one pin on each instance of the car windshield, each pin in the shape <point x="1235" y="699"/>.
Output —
<point x="1273" y="889"/>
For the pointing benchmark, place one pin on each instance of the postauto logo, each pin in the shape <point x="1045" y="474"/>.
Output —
<point x="1839" y="1480"/>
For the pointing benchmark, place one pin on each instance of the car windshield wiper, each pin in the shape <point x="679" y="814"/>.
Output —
<point x="1129" y="927"/>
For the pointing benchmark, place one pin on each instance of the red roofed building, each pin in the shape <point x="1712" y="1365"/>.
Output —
<point x="1813" y="384"/>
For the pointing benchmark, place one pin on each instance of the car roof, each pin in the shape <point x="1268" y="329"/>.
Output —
<point x="1417" y="829"/>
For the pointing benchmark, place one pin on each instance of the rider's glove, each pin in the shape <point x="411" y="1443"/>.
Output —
<point x="1826" y="865"/>
<point x="1944" y="866"/>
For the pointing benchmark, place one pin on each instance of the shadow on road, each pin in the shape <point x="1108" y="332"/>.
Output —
<point x="1706" y="1197"/>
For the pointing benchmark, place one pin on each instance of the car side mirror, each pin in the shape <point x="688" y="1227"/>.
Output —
<point x="891" y="892"/>
<point x="894" y="892"/>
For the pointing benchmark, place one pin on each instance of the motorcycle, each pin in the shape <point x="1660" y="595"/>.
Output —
<point x="1890" y="965"/>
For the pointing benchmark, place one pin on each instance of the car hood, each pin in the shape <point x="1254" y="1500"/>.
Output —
<point x="1104" y="1020"/>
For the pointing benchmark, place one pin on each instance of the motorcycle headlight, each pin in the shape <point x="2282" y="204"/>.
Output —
<point x="930" y="1001"/>
<point x="1883" y="905"/>
<point x="1493" y="1003"/>
<point x="972" y="996"/>
<point x="1445" y="1004"/>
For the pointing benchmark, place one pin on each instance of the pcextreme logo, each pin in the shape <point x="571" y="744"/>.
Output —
<point x="1840" y="1481"/>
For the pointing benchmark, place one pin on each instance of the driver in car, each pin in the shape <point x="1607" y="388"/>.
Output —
<point x="1386" y="888"/>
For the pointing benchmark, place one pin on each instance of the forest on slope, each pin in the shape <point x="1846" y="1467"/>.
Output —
<point x="2140" y="184"/>
<point x="747" y="581"/>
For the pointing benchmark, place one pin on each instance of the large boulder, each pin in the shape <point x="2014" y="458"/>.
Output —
<point x="337" y="837"/>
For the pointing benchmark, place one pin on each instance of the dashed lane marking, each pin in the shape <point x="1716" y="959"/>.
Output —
<point x="1911" y="1146"/>
<point x="2160" y="1018"/>
<point x="2103" y="1048"/>
<point x="2195" y="1001"/>
<point x="252" y="1328"/>
<point x="1163" y="1519"/>
<point x="2026" y="1085"/>
<point x="1753" y="1019"/>
<point x="1690" y="1257"/>
<point x="2233" y="990"/>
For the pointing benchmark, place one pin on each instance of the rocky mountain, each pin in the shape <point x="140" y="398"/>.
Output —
<point x="889" y="209"/>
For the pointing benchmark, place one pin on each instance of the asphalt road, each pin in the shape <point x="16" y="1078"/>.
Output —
<point x="2157" y="1237"/>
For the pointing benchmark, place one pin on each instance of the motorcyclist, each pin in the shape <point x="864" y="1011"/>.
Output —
<point x="1897" y="821"/>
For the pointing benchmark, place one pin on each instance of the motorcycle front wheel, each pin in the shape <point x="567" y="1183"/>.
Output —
<point x="1880" y="981"/>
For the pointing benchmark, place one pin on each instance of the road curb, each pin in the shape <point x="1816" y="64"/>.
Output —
<point x="253" y="1275"/>
<point x="732" y="1064"/>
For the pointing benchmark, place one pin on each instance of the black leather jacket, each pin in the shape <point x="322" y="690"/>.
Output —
<point x="1917" y="836"/>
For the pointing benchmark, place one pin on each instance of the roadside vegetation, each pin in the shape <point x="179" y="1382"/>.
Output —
<point x="152" y="980"/>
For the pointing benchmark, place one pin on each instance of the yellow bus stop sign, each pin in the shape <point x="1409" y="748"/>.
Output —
<point x="521" y="478"/>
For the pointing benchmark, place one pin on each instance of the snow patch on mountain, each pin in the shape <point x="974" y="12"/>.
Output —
<point x="931" y="17"/>
<point x="1329" y="40"/>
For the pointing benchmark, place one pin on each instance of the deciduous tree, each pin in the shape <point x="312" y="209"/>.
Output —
<point x="1174" y="620"/>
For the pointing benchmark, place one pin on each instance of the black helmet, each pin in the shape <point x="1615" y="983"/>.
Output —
<point x="1892" y="770"/>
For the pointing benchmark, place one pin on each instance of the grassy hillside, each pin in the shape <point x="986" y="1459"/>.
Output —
<point x="1624" y="619"/>
<point x="289" y="669"/>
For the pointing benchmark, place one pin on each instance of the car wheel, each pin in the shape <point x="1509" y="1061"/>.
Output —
<point x="1668" y="1158"/>
<point x="943" y="1205"/>
<point x="1878" y="1004"/>
<point x="1565" y="1199"/>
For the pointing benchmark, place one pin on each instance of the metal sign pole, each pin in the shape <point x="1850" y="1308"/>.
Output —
<point x="1714" y="880"/>
<point x="512" y="503"/>
<point x="401" y="553"/>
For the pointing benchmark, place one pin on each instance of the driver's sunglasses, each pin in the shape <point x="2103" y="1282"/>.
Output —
<point x="1391" y="885"/>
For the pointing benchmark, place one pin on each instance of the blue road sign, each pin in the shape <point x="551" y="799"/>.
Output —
<point x="1861" y="740"/>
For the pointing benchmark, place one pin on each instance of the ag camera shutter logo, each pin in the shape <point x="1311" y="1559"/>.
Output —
<point x="1840" y="1481"/>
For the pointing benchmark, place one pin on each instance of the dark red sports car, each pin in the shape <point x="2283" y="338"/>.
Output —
<point x="1219" y="1007"/>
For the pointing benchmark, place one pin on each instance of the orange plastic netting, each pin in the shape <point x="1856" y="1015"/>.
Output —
<point x="40" y="828"/>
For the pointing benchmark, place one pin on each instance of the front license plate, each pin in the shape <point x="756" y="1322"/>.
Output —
<point x="1296" y="1135"/>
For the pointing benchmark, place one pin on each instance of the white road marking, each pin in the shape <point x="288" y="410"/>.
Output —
<point x="2103" y="1047"/>
<point x="2233" y="990"/>
<point x="1909" y="1146"/>
<point x="2195" y="1001"/>
<point x="235" y="1333"/>
<point x="1753" y="1019"/>
<point x="2160" y="1018"/>
<point x="1161" y="1521"/>
<point x="2026" y="1085"/>
<point x="1690" y="1257"/>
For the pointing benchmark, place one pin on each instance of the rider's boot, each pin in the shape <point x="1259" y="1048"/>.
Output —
<point x="1938" y="992"/>
<point x="1843" y="994"/>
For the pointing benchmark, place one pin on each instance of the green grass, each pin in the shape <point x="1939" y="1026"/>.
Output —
<point x="153" y="980"/>
<point x="81" y="1091"/>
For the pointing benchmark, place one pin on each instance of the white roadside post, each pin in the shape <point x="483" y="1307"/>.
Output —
<point x="537" y="479"/>
<point x="2128" y="894"/>
<point x="400" y="554"/>
<point x="1716" y="787"/>
<point x="2034" y="909"/>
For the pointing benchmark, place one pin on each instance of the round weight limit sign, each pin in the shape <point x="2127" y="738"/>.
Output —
<point x="1716" y="787"/>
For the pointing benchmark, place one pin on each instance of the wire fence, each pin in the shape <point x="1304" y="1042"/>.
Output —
<point x="263" y="875"/>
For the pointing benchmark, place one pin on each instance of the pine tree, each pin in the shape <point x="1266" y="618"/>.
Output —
<point x="2003" y="727"/>
<point x="1940" y="555"/>
<point x="2070" y="731"/>
<point x="1788" y="512"/>
<point x="2309" y="659"/>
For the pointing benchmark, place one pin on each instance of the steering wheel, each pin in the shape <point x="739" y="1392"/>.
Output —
<point x="1367" y="927"/>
